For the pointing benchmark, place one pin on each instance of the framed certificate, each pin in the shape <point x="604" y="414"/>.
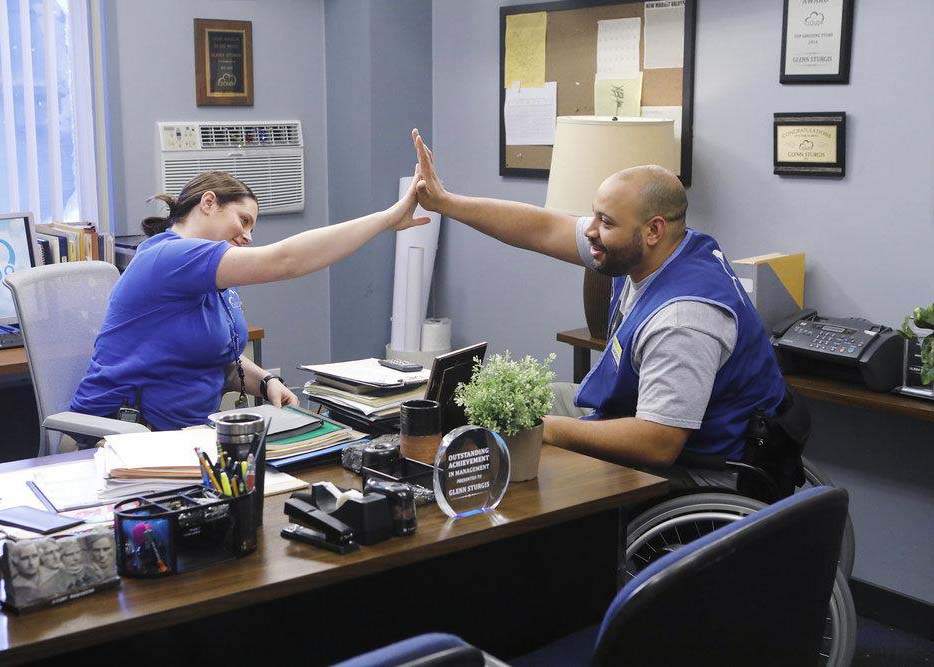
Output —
<point x="223" y="63"/>
<point x="810" y="144"/>
<point x="816" y="36"/>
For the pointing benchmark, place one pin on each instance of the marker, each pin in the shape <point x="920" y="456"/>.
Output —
<point x="225" y="484"/>
<point x="243" y="470"/>
<point x="250" y="472"/>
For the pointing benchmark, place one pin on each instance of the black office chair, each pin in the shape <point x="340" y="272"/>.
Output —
<point x="752" y="592"/>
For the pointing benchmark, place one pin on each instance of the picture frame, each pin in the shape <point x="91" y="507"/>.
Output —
<point x="816" y="41"/>
<point x="570" y="61"/>
<point x="809" y="144"/>
<point x="223" y="62"/>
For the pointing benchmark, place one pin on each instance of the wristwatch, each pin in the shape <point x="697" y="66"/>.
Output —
<point x="265" y="381"/>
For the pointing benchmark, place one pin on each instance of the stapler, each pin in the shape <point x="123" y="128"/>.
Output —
<point x="317" y="527"/>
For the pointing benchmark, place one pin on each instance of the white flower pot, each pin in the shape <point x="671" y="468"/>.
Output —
<point x="525" y="450"/>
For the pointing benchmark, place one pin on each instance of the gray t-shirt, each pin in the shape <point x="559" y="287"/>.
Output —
<point x="677" y="353"/>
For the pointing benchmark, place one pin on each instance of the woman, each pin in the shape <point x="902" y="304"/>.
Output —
<point x="174" y="333"/>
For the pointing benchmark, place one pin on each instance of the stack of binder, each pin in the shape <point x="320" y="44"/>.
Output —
<point x="364" y="394"/>
<point x="294" y="431"/>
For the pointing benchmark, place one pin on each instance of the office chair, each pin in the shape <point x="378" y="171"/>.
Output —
<point x="60" y="309"/>
<point x="752" y="592"/>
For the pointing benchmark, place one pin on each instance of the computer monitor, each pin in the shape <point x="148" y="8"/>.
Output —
<point x="16" y="254"/>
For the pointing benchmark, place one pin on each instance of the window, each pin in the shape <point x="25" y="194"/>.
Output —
<point x="46" y="144"/>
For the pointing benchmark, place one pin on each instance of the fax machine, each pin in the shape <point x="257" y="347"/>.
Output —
<point x="849" y="349"/>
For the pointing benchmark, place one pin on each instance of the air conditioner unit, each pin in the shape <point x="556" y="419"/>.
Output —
<point x="267" y="156"/>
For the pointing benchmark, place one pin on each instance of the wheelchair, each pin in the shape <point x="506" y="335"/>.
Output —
<point x="691" y="514"/>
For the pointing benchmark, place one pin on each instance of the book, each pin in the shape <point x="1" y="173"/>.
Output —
<point x="68" y="243"/>
<point x="58" y="245"/>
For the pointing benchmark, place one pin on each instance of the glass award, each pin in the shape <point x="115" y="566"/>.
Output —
<point x="471" y="471"/>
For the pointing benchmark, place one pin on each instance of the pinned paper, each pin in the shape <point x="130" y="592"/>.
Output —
<point x="664" y="34"/>
<point x="618" y="48"/>
<point x="617" y="97"/>
<point x="525" y="49"/>
<point x="529" y="115"/>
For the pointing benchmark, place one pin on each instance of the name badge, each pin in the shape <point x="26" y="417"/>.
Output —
<point x="616" y="349"/>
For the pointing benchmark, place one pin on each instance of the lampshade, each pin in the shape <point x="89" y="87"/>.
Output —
<point x="587" y="149"/>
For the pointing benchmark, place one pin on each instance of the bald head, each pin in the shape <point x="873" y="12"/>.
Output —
<point x="659" y="192"/>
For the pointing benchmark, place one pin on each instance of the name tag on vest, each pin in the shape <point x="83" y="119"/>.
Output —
<point x="616" y="349"/>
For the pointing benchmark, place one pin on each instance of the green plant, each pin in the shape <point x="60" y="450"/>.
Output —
<point x="923" y="319"/>
<point x="507" y="396"/>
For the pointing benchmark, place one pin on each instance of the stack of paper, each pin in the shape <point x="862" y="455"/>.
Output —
<point x="164" y="454"/>
<point x="371" y="405"/>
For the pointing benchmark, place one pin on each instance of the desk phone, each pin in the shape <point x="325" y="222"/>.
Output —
<point x="851" y="349"/>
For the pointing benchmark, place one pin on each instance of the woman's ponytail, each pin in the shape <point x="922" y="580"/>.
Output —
<point x="154" y="224"/>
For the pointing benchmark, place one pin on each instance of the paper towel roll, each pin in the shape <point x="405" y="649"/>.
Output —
<point x="425" y="237"/>
<point x="413" y="293"/>
<point x="436" y="334"/>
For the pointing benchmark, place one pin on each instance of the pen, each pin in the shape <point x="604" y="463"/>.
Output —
<point x="235" y="486"/>
<point x="204" y="474"/>
<point x="206" y="463"/>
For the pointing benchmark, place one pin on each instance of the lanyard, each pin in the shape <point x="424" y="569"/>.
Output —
<point x="241" y="401"/>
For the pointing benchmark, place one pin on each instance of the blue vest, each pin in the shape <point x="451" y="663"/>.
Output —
<point x="750" y="379"/>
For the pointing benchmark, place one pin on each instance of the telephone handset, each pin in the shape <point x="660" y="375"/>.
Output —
<point x="848" y="348"/>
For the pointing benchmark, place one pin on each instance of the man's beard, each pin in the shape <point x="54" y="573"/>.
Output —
<point x="620" y="261"/>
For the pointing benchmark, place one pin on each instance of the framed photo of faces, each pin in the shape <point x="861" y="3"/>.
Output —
<point x="47" y="571"/>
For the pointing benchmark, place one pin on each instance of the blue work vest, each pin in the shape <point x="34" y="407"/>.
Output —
<point x="750" y="379"/>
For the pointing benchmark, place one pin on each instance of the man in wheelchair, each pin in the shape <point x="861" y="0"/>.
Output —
<point x="688" y="367"/>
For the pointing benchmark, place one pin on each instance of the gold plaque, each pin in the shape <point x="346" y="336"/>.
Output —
<point x="809" y="144"/>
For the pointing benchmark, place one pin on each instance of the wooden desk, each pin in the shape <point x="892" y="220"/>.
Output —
<point x="542" y="565"/>
<point x="821" y="389"/>
<point x="13" y="359"/>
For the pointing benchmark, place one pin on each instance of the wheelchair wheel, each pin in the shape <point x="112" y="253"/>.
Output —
<point x="814" y="476"/>
<point x="676" y="522"/>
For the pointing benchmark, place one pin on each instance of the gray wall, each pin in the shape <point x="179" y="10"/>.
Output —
<point x="150" y="62"/>
<point x="379" y="88"/>
<point x="861" y="234"/>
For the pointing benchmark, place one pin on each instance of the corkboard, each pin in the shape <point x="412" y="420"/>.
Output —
<point x="571" y="61"/>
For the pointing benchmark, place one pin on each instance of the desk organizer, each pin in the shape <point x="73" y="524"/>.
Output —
<point x="417" y="475"/>
<point x="182" y="530"/>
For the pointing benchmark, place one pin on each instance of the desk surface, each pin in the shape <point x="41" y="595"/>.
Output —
<point x="13" y="359"/>
<point x="822" y="389"/>
<point x="569" y="486"/>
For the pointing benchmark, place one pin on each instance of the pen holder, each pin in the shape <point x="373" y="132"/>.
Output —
<point x="182" y="530"/>
<point x="240" y="434"/>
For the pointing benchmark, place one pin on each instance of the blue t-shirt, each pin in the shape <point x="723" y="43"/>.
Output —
<point x="167" y="337"/>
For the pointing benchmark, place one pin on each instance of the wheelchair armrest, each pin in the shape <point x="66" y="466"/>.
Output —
<point x="704" y="461"/>
<point x="80" y="424"/>
<point x="458" y="656"/>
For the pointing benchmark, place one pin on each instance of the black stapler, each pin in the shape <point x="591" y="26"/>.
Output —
<point x="317" y="527"/>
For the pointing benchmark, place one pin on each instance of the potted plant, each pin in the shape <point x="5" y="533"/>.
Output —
<point x="923" y="318"/>
<point x="511" y="397"/>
